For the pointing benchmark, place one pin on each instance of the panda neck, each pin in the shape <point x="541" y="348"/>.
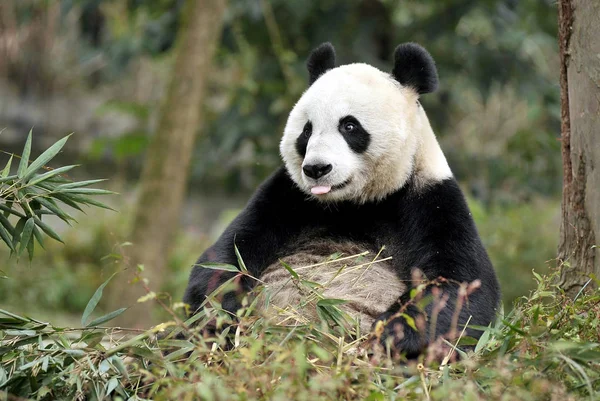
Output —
<point x="430" y="165"/>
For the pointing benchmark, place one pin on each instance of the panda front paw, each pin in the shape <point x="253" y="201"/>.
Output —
<point x="402" y="333"/>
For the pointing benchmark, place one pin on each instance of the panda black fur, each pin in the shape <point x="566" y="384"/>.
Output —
<point x="363" y="171"/>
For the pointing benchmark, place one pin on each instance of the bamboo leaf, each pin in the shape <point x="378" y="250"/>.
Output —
<point x="243" y="267"/>
<point x="66" y="200"/>
<point x="25" y="156"/>
<point x="93" y="302"/>
<point x="105" y="318"/>
<point x="4" y="234"/>
<point x="89" y="201"/>
<point x="289" y="269"/>
<point x="85" y="191"/>
<point x="219" y="266"/>
<point x="6" y="224"/>
<point x="44" y="158"/>
<point x="11" y="211"/>
<point x="16" y="317"/>
<point x="410" y="321"/>
<point x="18" y="230"/>
<point x="6" y="170"/>
<point x="8" y="180"/>
<point x="331" y="301"/>
<point x="50" y="205"/>
<point x="46" y="228"/>
<point x="26" y="235"/>
<point x="49" y="174"/>
<point x="8" y="205"/>
<point x="38" y="236"/>
<point x="112" y="384"/>
<point x="30" y="247"/>
<point x="483" y="340"/>
<point x="79" y="184"/>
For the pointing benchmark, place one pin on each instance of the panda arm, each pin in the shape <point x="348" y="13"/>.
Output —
<point x="443" y="243"/>
<point x="260" y="232"/>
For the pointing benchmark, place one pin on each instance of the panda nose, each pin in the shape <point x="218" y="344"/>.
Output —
<point x="317" y="170"/>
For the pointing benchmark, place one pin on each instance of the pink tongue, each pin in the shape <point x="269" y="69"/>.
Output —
<point x="320" y="190"/>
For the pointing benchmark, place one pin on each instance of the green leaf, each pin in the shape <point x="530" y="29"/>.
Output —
<point x="8" y="179"/>
<point x="38" y="236"/>
<point x="331" y="301"/>
<point x="25" y="156"/>
<point x="16" y="317"/>
<point x="6" y="224"/>
<point x="3" y="377"/>
<point x="85" y="200"/>
<point x="44" y="158"/>
<point x="118" y="362"/>
<point x="57" y="211"/>
<point x="410" y="321"/>
<point x="105" y="318"/>
<point x="26" y="235"/>
<point x="18" y="230"/>
<point x="111" y="385"/>
<point x="8" y="205"/>
<point x="46" y="228"/>
<point x="5" y="235"/>
<point x="11" y="211"/>
<point x="289" y="269"/>
<point x="92" y="338"/>
<point x="94" y="301"/>
<point x="66" y="199"/>
<point x="483" y="340"/>
<point x="145" y="353"/>
<point x="176" y="343"/>
<point x="79" y="184"/>
<point x="26" y="333"/>
<point x="240" y="260"/>
<point x="49" y="174"/>
<point x="85" y="191"/>
<point x="219" y="266"/>
<point x="6" y="170"/>
<point x="467" y="341"/>
<point x="375" y="396"/>
<point x="30" y="247"/>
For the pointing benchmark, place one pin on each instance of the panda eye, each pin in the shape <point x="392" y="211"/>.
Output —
<point x="307" y="130"/>
<point x="349" y="127"/>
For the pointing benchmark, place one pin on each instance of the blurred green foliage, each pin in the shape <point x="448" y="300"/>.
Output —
<point x="519" y="239"/>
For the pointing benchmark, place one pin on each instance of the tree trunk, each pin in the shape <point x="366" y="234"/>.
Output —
<point x="167" y="161"/>
<point x="579" y="42"/>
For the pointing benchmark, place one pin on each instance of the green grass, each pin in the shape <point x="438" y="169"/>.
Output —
<point x="547" y="348"/>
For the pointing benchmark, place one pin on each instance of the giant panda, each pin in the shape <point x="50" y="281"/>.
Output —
<point x="362" y="172"/>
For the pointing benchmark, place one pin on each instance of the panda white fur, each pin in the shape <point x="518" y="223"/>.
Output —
<point x="362" y="171"/>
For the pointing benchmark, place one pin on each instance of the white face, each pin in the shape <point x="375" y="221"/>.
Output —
<point x="366" y="133"/>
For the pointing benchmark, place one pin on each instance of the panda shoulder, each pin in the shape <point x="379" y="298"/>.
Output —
<point x="443" y="202"/>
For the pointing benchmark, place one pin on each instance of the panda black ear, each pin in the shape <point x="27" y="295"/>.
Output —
<point x="320" y="60"/>
<point x="414" y="67"/>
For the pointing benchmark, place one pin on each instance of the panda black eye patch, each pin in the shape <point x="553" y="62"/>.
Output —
<point x="355" y="135"/>
<point x="302" y="140"/>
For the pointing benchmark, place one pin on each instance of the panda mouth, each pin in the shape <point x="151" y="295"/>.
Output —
<point x="342" y="185"/>
<point x="323" y="189"/>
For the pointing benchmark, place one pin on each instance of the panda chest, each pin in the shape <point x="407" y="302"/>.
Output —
<point x="329" y="269"/>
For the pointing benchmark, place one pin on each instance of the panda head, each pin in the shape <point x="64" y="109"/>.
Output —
<point x="360" y="134"/>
